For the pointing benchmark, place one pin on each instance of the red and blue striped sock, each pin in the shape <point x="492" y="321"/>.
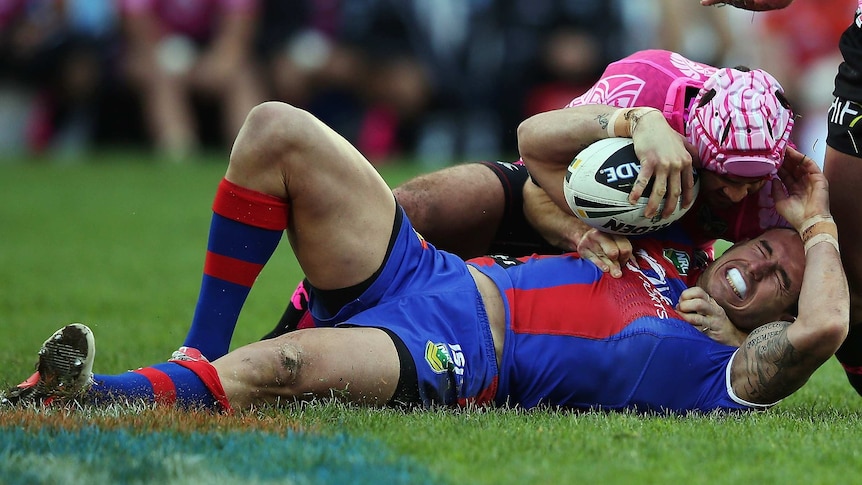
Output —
<point x="245" y="230"/>
<point x="190" y="385"/>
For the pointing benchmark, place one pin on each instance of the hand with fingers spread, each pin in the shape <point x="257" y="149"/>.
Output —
<point x="608" y="251"/>
<point x="803" y="191"/>
<point x="699" y="309"/>
<point x="665" y="157"/>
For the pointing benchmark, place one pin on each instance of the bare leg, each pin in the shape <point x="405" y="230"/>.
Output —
<point x="353" y="364"/>
<point x="238" y="96"/>
<point x="342" y="212"/>
<point x="288" y="169"/>
<point x="844" y="173"/>
<point x="169" y="115"/>
<point x="458" y="209"/>
<point x="339" y="225"/>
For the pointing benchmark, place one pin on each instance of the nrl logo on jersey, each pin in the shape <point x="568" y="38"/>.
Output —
<point x="680" y="260"/>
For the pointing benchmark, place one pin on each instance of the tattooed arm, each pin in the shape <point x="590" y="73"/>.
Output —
<point x="549" y="141"/>
<point x="778" y="358"/>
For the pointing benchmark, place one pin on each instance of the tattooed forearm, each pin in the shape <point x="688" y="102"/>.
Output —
<point x="603" y="120"/>
<point x="634" y="117"/>
<point x="771" y="365"/>
<point x="764" y="333"/>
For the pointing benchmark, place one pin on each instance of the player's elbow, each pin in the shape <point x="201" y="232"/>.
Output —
<point x="528" y="132"/>
<point x="836" y="331"/>
<point x="828" y="333"/>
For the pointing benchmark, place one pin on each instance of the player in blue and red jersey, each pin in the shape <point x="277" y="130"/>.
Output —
<point x="404" y="322"/>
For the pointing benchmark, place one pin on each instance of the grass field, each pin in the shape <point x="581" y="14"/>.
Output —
<point x="118" y="244"/>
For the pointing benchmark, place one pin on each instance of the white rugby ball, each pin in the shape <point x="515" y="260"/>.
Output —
<point x="597" y="188"/>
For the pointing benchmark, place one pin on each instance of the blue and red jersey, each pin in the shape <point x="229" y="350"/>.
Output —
<point x="578" y="338"/>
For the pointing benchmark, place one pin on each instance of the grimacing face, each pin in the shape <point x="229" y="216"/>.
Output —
<point x="756" y="281"/>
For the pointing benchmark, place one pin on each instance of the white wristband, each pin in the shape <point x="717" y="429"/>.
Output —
<point x="807" y="224"/>
<point x="821" y="238"/>
<point x="612" y="122"/>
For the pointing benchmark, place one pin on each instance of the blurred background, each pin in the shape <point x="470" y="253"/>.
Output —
<point x="433" y="82"/>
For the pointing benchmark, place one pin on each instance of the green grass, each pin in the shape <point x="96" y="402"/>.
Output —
<point x="118" y="243"/>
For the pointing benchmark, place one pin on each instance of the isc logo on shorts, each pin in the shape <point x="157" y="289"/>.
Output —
<point x="444" y="358"/>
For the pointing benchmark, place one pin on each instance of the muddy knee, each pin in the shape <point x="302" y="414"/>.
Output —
<point x="288" y="364"/>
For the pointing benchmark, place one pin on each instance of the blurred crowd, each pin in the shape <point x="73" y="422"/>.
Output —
<point x="438" y="81"/>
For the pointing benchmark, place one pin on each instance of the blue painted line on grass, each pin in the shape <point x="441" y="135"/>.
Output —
<point x="94" y="456"/>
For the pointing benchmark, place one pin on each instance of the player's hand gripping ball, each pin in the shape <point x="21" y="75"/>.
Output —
<point x="597" y="187"/>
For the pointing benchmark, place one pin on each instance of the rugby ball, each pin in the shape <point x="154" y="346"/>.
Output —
<point x="597" y="188"/>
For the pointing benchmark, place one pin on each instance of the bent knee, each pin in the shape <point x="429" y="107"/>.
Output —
<point x="276" y="372"/>
<point x="288" y="364"/>
<point x="272" y="135"/>
<point x="272" y="124"/>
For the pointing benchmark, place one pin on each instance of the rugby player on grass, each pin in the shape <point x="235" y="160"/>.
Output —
<point x="736" y="123"/>
<point x="405" y="323"/>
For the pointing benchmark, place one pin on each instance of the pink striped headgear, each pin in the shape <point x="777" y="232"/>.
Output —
<point x="740" y="123"/>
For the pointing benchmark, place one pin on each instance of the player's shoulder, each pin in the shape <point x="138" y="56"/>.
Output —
<point x="672" y="247"/>
<point x="645" y="78"/>
<point x="671" y="63"/>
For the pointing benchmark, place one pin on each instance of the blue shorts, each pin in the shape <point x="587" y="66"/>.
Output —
<point x="429" y="300"/>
